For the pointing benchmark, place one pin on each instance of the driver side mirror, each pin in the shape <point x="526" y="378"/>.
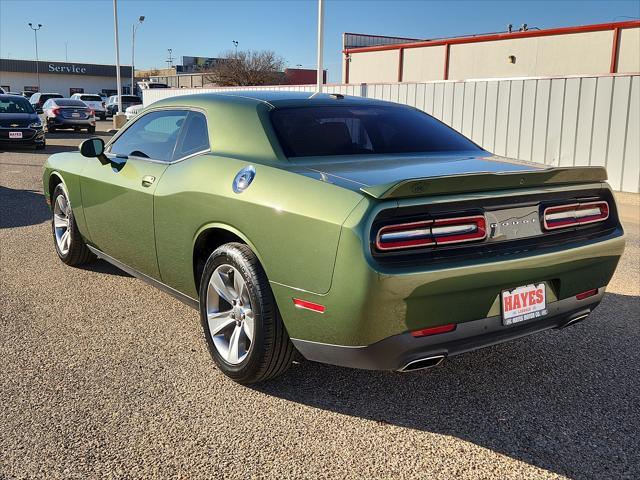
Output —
<point x="92" y="147"/>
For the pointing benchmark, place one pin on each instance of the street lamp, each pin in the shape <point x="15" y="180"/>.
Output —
<point x="118" y="116"/>
<point x="35" y="33"/>
<point x="235" y="44"/>
<point x="134" y="27"/>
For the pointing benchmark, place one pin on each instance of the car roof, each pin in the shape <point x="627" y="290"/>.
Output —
<point x="274" y="98"/>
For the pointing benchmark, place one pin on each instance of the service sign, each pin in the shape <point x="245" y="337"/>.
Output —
<point x="524" y="303"/>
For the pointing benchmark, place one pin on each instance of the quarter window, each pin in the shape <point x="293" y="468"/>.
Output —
<point x="195" y="137"/>
<point x="153" y="136"/>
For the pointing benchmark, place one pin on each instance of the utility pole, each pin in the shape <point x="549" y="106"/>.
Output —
<point x="35" y="33"/>
<point x="170" y="59"/>
<point x="134" y="27"/>
<point x="320" y="44"/>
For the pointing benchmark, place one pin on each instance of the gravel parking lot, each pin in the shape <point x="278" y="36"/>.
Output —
<point x="102" y="376"/>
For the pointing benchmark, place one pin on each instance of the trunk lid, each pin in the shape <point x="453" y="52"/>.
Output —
<point x="402" y="176"/>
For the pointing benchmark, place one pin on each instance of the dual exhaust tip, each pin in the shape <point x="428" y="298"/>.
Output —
<point x="435" y="360"/>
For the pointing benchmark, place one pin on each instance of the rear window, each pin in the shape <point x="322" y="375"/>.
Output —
<point x="66" y="102"/>
<point x="45" y="97"/>
<point x="91" y="98"/>
<point x="366" y="129"/>
<point x="131" y="99"/>
<point x="15" y="105"/>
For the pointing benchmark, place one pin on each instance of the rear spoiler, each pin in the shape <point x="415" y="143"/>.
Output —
<point x="476" y="182"/>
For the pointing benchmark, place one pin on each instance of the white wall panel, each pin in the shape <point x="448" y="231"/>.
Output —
<point x="589" y="120"/>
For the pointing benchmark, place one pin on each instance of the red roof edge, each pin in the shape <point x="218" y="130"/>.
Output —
<point x="500" y="36"/>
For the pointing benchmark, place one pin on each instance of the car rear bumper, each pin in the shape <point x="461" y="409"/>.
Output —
<point x="403" y="352"/>
<point x="73" y="122"/>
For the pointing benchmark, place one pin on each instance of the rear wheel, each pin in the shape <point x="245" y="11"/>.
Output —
<point x="242" y="325"/>
<point x="91" y="129"/>
<point x="69" y="244"/>
<point x="51" y="128"/>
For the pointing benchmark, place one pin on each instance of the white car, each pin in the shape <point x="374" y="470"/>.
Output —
<point x="94" y="102"/>
<point x="133" y="110"/>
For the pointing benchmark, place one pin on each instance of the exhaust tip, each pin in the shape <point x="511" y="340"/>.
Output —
<point x="574" y="320"/>
<point x="423" y="363"/>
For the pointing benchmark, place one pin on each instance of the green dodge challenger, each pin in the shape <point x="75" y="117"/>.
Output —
<point x="346" y="230"/>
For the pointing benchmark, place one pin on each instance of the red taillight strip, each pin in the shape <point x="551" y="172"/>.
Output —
<point x="434" y="330"/>
<point x="413" y="234"/>
<point x="575" y="214"/>
<point x="304" y="304"/>
<point x="431" y="233"/>
<point x="475" y="228"/>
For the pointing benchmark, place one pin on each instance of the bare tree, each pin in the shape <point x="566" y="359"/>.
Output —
<point x="247" y="68"/>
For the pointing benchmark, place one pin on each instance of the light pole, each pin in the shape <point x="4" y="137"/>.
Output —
<point x="320" y="44"/>
<point x="66" y="52"/>
<point x="235" y="44"/>
<point x="118" y="79"/>
<point x="35" y="33"/>
<point x="134" y="27"/>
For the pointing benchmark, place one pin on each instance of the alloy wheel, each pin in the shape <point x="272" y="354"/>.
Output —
<point x="61" y="224"/>
<point x="230" y="317"/>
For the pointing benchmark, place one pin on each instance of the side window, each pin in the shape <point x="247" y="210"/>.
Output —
<point x="195" y="137"/>
<point x="47" y="104"/>
<point x="153" y="136"/>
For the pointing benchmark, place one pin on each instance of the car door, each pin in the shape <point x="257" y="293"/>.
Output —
<point x="118" y="197"/>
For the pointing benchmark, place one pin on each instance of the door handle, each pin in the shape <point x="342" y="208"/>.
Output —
<point x="148" y="180"/>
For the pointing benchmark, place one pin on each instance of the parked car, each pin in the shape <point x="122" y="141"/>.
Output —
<point x="26" y="93"/>
<point x="358" y="232"/>
<point x="133" y="110"/>
<point x="39" y="99"/>
<point x="127" y="100"/>
<point x="61" y="113"/>
<point x="19" y="123"/>
<point x="94" y="102"/>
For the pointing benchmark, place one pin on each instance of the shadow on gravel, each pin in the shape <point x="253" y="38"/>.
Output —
<point x="565" y="401"/>
<point x="21" y="208"/>
<point x="101" y="266"/>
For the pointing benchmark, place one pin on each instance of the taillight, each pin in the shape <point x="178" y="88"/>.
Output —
<point x="564" y="216"/>
<point x="431" y="233"/>
<point x="91" y="112"/>
<point x="55" y="111"/>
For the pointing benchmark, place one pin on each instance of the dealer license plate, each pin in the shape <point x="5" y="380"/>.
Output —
<point x="75" y="115"/>
<point x="524" y="303"/>
<point x="15" y="134"/>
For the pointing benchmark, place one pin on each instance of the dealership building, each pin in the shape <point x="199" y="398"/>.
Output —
<point x="61" y="77"/>
<point x="607" y="48"/>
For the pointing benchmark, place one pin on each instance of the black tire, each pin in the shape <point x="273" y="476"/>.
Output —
<point x="91" y="129"/>
<point x="42" y="146"/>
<point x="51" y="128"/>
<point x="103" y="117"/>
<point x="78" y="252"/>
<point x="271" y="352"/>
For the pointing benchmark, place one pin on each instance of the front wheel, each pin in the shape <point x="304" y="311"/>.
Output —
<point x="242" y="325"/>
<point x="91" y="129"/>
<point x="69" y="244"/>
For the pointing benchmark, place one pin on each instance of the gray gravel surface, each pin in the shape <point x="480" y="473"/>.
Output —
<point x="102" y="376"/>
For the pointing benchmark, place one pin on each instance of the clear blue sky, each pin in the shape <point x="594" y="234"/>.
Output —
<point x="207" y="27"/>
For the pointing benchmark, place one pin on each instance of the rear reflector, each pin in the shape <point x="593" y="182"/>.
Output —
<point x="564" y="216"/>
<point x="315" y="307"/>
<point x="431" y="233"/>
<point x="434" y="330"/>
<point x="587" y="294"/>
